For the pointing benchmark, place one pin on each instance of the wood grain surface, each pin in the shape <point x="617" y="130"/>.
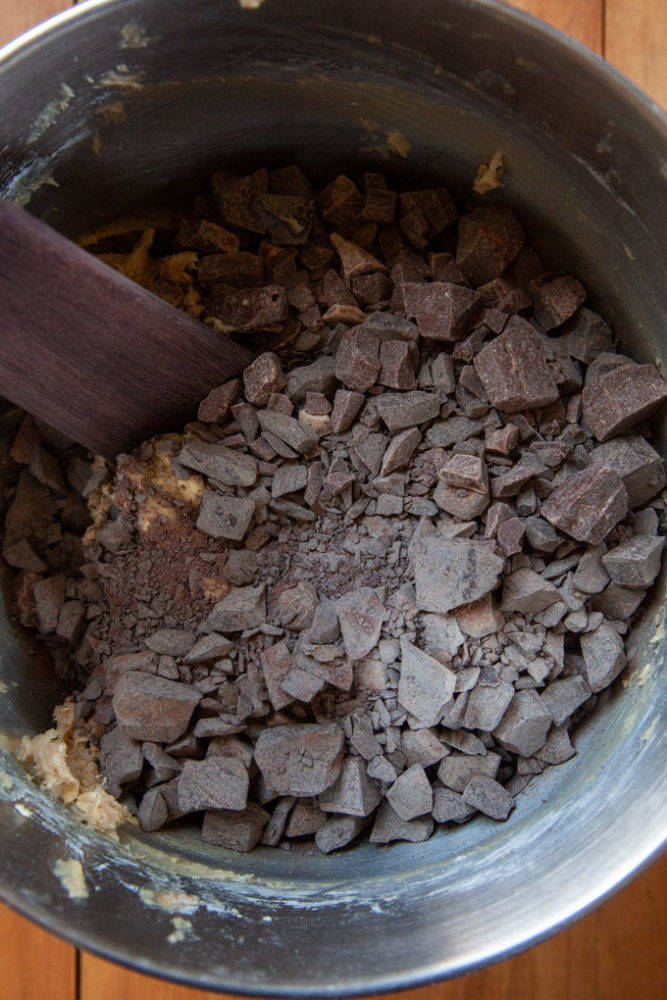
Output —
<point x="82" y="335"/>
<point x="616" y="953"/>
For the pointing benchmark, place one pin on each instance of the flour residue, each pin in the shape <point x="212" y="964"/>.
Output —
<point x="70" y="875"/>
<point x="170" y="900"/>
<point x="397" y="143"/>
<point x="122" y="77"/>
<point x="51" y="112"/>
<point x="133" y="36"/>
<point x="66" y="765"/>
<point x="489" y="174"/>
<point x="182" y="928"/>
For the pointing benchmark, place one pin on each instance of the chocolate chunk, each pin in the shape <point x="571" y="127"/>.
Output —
<point x="588" y="504"/>
<point x="121" y="760"/>
<point x="514" y="371"/>
<point x="353" y="793"/>
<point x="206" y="237"/>
<point x="287" y="218"/>
<point x="379" y="205"/>
<point x="237" y="830"/>
<point x="45" y="467"/>
<point x="635" y="563"/>
<point x="457" y="770"/>
<point x="48" y="596"/>
<point x="487" y="705"/>
<point x="358" y="360"/>
<point x="225" y="517"/>
<point x="338" y="832"/>
<point x="242" y="608"/>
<point x="170" y="641"/>
<point x="341" y="202"/>
<point x="449" y="807"/>
<point x="262" y="377"/>
<point x="527" y="592"/>
<point x="563" y="697"/>
<point x="586" y="336"/>
<point x="296" y="606"/>
<point x="217" y="782"/>
<point x="479" y="619"/>
<point x="398" y="360"/>
<point x="71" y="621"/>
<point x="442" y="311"/>
<point x="289" y="430"/>
<point x="218" y="462"/>
<point x="450" y="573"/>
<point x="238" y="270"/>
<point x="467" y="472"/>
<point x="235" y="197"/>
<point x="360" y="616"/>
<point x="407" y="409"/>
<point x="389" y="827"/>
<point x="215" y="407"/>
<point x="153" y="811"/>
<point x="525" y="724"/>
<point x="424" y="214"/>
<point x="153" y="708"/>
<point x="301" y="760"/>
<point x="488" y="796"/>
<point x="411" y="794"/>
<point x="289" y="478"/>
<point x="355" y="260"/>
<point x="510" y="536"/>
<point x="489" y="240"/>
<point x="618" y="602"/>
<point x="306" y="819"/>
<point x="249" y="308"/>
<point x="621" y="398"/>
<point x="425" y="686"/>
<point x="637" y="463"/>
<point x="555" y="299"/>
<point x="400" y="450"/>
<point x="604" y="656"/>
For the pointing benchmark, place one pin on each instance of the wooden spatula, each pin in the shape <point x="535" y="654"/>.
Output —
<point x="92" y="353"/>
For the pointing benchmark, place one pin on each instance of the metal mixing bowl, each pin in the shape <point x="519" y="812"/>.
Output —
<point x="207" y="85"/>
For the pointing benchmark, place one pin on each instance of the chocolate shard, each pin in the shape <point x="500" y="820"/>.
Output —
<point x="588" y="504"/>
<point x="555" y="299"/>
<point x="514" y="371"/>
<point x="287" y="218"/>
<point x="300" y="760"/>
<point x="637" y="463"/>
<point x="237" y="830"/>
<point x="358" y="360"/>
<point x="452" y="572"/>
<point x="489" y="239"/>
<point x="249" y="309"/>
<point x="152" y="708"/>
<point x="217" y="782"/>
<point x="621" y="398"/>
<point x="441" y="310"/>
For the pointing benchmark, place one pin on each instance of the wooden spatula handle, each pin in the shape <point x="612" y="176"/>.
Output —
<point x="92" y="353"/>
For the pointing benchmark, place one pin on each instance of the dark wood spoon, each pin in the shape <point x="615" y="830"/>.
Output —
<point x="91" y="352"/>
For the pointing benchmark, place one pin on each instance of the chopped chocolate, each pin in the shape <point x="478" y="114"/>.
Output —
<point x="152" y="708"/>
<point x="380" y="579"/>
<point x="301" y="760"/>
<point x="514" y="371"/>
<point x="489" y="240"/>
<point x="622" y="397"/>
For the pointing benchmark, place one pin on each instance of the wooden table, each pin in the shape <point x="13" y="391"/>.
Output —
<point x="617" y="953"/>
